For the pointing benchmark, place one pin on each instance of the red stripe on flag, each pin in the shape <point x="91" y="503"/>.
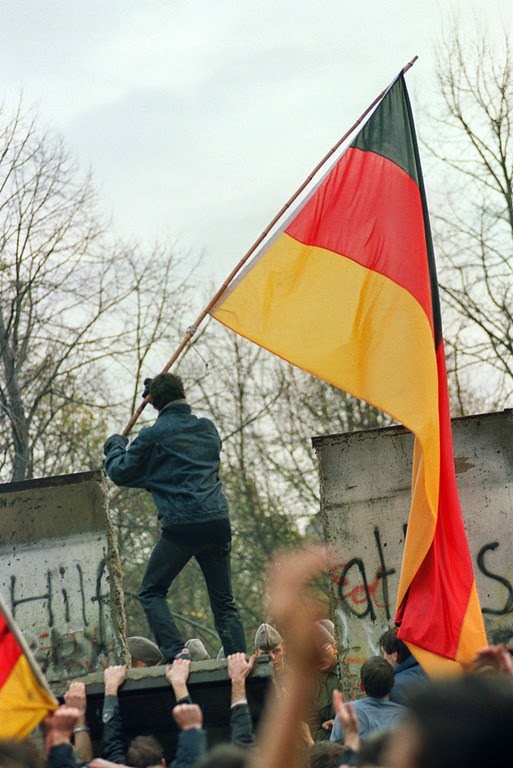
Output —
<point x="369" y="210"/>
<point x="432" y="613"/>
<point x="10" y="650"/>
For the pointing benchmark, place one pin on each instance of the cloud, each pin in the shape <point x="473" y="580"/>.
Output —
<point x="200" y="118"/>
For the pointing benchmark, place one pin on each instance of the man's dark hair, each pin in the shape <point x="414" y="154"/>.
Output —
<point x="225" y="756"/>
<point x="164" y="389"/>
<point x="19" y="754"/>
<point x="377" y="677"/>
<point x="143" y="752"/>
<point x="467" y="723"/>
<point x="390" y="643"/>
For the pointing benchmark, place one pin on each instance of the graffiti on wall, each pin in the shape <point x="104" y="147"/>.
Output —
<point x="365" y="593"/>
<point x="362" y="593"/>
<point x="60" y="573"/>
<point x="66" y="622"/>
<point x="366" y="510"/>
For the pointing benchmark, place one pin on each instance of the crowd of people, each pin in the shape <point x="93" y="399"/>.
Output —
<point x="402" y="720"/>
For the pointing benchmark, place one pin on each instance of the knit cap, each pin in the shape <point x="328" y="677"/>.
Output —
<point x="329" y="625"/>
<point x="267" y="638"/>
<point x="325" y="637"/>
<point x="142" y="649"/>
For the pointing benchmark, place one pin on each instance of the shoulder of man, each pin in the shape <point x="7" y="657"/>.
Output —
<point x="362" y="704"/>
<point x="207" y="425"/>
<point x="145" y="435"/>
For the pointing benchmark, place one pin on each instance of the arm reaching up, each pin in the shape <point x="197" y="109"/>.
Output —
<point x="177" y="675"/>
<point x="58" y="732"/>
<point x="113" y="737"/>
<point x="75" y="696"/>
<point x="348" y="721"/>
<point x="241" y="724"/>
<point x="192" y="737"/>
<point x="294" y="611"/>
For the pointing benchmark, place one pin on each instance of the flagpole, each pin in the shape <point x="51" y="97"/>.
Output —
<point x="191" y="330"/>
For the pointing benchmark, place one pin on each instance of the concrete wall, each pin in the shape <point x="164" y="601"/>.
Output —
<point x="60" y="574"/>
<point x="146" y="701"/>
<point x="365" y="496"/>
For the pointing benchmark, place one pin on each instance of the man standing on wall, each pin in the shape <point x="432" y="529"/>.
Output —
<point x="177" y="460"/>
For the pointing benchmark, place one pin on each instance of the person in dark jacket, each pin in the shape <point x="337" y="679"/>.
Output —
<point x="177" y="460"/>
<point x="407" y="671"/>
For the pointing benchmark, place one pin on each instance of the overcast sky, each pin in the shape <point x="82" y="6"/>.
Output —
<point x="199" y="118"/>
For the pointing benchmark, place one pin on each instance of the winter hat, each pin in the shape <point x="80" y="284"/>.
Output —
<point x="325" y="637"/>
<point x="329" y="625"/>
<point x="142" y="649"/>
<point x="267" y="638"/>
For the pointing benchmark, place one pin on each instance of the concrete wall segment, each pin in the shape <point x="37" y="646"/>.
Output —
<point x="365" y="497"/>
<point x="60" y="573"/>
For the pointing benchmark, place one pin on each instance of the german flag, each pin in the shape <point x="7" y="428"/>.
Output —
<point x="347" y="291"/>
<point x="25" y="698"/>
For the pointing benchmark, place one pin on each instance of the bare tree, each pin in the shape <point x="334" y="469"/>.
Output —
<point x="70" y="300"/>
<point x="309" y="406"/>
<point x="55" y="281"/>
<point x="473" y="217"/>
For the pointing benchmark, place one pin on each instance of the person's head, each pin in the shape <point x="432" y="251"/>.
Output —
<point x="164" y="389"/>
<point x="377" y="677"/>
<point x="393" y="649"/>
<point x="463" y="723"/>
<point x="325" y="754"/>
<point x="143" y="652"/>
<point x="329" y="625"/>
<point x="269" y="641"/>
<point x="225" y="756"/>
<point x="328" y="649"/>
<point x="145" y="751"/>
<point x="19" y="754"/>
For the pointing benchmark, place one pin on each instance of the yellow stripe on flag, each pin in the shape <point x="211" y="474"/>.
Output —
<point x="472" y="629"/>
<point x="23" y="702"/>
<point x="354" y="328"/>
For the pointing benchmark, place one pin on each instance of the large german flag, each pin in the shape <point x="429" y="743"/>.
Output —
<point x="347" y="290"/>
<point x="25" y="698"/>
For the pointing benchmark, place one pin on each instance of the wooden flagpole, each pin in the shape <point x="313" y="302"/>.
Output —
<point x="191" y="330"/>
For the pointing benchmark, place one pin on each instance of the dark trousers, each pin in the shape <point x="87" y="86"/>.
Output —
<point x="210" y="544"/>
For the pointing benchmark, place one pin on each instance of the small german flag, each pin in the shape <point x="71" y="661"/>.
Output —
<point x="347" y="291"/>
<point x="25" y="698"/>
